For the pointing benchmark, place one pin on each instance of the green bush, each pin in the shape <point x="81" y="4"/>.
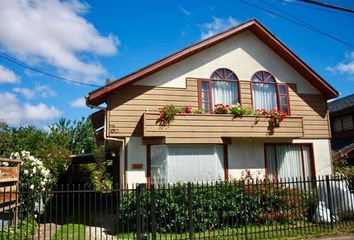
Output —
<point x="24" y="230"/>
<point x="225" y="204"/>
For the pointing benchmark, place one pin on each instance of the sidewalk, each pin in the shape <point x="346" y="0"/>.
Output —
<point x="339" y="237"/>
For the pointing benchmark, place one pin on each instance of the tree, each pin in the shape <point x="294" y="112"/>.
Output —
<point x="54" y="148"/>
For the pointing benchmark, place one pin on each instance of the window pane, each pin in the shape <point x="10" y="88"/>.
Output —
<point x="307" y="160"/>
<point x="206" y="106"/>
<point x="282" y="89"/>
<point x="223" y="74"/>
<point x="205" y="86"/>
<point x="189" y="163"/>
<point x="283" y="100"/>
<point x="337" y="125"/>
<point x="224" y="92"/>
<point x="347" y="122"/>
<point x="284" y="109"/>
<point x="158" y="155"/>
<point x="284" y="104"/>
<point x="271" y="161"/>
<point x="264" y="96"/>
<point x="289" y="161"/>
<point x="205" y="96"/>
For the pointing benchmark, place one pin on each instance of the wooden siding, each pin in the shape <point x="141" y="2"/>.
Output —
<point x="313" y="108"/>
<point x="245" y="92"/>
<point x="126" y="108"/>
<point x="218" y="126"/>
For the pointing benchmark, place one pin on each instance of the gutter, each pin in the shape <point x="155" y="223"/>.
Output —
<point x="104" y="126"/>
<point x="109" y="138"/>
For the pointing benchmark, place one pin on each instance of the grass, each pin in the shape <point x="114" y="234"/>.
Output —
<point x="300" y="230"/>
<point x="70" y="231"/>
<point x="74" y="229"/>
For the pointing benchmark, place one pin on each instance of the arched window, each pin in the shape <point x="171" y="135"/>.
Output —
<point x="268" y="94"/>
<point x="221" y="88"/>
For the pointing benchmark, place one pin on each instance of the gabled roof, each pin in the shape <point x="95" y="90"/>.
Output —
<point x="341" y="104"/>
<point x="99" y="95"/>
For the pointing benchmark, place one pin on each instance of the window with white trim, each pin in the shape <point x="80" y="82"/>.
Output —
<point x="186" y="163"/>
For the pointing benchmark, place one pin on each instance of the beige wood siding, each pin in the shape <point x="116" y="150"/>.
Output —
<point x="313" y="108"/>
<point x="218" y="126"/>
<point x="246" y="93"/>
<point x="126" y="106"/>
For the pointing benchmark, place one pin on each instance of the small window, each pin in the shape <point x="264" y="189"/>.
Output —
<point x="221" y="88"/>
<point x="347" y="122"/>
<point x="343" y="123"/>
<point x="337" y="124"/>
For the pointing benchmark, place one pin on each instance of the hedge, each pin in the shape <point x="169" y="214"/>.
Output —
<point x="217" y="206"/>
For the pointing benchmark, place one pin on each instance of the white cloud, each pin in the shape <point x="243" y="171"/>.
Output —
<point x="14" y="113"/>
<point x="43" y="91"/>
<point x="40" y="112"/>
<point x="10" y="110"/>
<point x="216" y="26"/>
<point x="28" y="93"/>
<point x="54" y="32"/>
<point x="185" y="11"/>
<point x="346" y="67"/>
<point x="78" y="103"/>
<point x="8" y="76"/>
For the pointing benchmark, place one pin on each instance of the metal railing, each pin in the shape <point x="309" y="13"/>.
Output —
<point x="243" y="209"/>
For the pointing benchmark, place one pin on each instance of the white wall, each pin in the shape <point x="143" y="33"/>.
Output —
<point x="136" y="155"/>
<point x="244" y="54"/>
<point x="244" y="154"/>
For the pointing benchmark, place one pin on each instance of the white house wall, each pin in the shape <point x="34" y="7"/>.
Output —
<point x="136" y="155"/>
<point x="243" y="154"/>
<point x="244" y="54"/>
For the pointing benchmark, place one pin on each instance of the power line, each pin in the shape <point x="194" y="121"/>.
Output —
<point x="348" y="44"/>
<point x="316" y="8"/>
<point x="315" y="29"/>
<point x="327" y="5"/>
<point x="22" y="64"/>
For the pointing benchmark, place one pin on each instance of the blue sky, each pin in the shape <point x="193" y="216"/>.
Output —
<point x="95" y="40"/>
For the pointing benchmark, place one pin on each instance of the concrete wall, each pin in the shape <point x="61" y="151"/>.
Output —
<point x="244" y="54"/>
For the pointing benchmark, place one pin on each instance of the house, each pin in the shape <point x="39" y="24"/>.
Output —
<point x="341" y="112"/>
<point x="246" y="64"/>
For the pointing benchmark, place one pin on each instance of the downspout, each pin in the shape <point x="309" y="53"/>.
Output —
<point x="105" y="132"/>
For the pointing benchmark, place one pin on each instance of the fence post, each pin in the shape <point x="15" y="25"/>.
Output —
<point x="190" y="211"/>
<point x="139" y="212"/>
<point x="153" y="212"/>
<point x="328" y="187"/>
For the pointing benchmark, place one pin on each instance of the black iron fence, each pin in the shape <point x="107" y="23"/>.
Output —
<point x="243" y="209"/>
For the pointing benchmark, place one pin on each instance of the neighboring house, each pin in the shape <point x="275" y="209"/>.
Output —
<point x="341" y="112"/>
<point x="246" y="64"/>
